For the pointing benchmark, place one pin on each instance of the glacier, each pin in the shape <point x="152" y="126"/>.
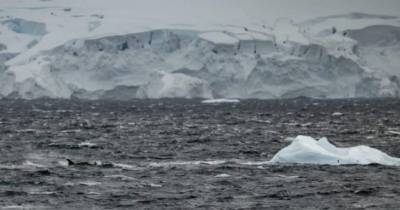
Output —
<point x="60" y="49"/>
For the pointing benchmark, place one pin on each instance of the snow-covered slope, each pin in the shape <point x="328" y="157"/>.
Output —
<point x="100" y="49"/>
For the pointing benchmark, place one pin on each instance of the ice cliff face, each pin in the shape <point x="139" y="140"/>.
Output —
<point x="320" y="58"/>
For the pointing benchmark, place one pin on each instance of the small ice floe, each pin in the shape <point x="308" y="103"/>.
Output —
<point x="287" y="177"/>
<point x="41" y="110"/>
<point x="306" y="150"/>
<point x="154" y="185"/>
<point x="63" y="163"/>
<point x="221" y="100"/>
<point x="69" y="184"/>
<point x="69" y="162"/>
<point x="89" y="183"/>
<point x="71" y="131"/>
<point x="337" y="114"/>
<point x="87" y="144"/>
<point x="41" y="193"/>
<point x="222" y="175"/>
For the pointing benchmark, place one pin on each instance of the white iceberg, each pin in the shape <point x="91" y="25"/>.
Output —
<point x="307" y="150"/>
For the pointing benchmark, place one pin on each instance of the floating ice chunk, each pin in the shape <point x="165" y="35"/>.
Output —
<point x="307" y="150"/>
<point x="41" y="193"/>
<point x="155" y="185"/>
<point x="222" y="175"/>
<point x="221" y="100"/>
<point x="71" y="131"/>
<point x="89" y="183"/>
<point x="288" y="177"/>
<point x="335" y="114"/>
<point x="63" y="163"/>
<point x="87" y="144"/>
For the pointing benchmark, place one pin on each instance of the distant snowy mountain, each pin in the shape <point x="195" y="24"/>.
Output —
<point x="197" y="49"/>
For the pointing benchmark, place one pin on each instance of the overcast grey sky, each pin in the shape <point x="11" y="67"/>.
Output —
<point x="222" y="10"/>
<point x="311" y="8"/>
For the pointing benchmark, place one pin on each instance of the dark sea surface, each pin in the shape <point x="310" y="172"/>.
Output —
<point x="182" y="154"/>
